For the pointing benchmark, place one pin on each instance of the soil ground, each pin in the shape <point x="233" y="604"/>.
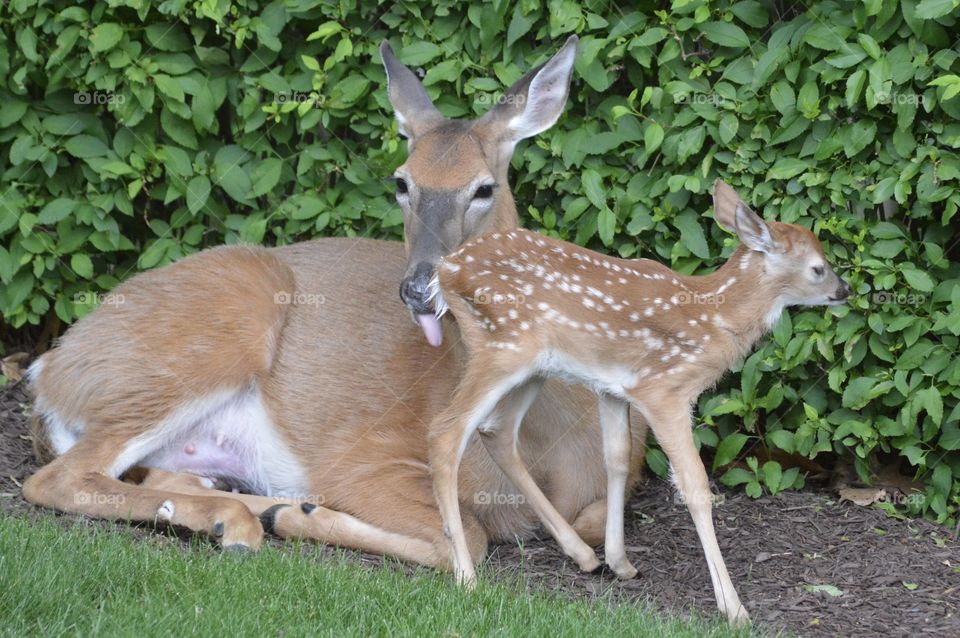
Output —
<point x="893" y="577"/>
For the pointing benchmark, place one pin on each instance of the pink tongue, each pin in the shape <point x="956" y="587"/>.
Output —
<point x="431" y="329"/>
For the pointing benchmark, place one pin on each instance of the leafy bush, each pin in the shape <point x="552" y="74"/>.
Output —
<point x="136" y="132"/>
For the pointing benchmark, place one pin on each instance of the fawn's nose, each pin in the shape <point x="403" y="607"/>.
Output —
<point x="414" y="289"/>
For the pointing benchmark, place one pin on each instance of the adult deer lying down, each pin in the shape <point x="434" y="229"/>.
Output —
<point x="294" y="374"/>
<point x="531" y="308"/>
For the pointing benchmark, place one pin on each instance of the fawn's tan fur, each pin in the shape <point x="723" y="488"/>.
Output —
<point x="331" y="397"/>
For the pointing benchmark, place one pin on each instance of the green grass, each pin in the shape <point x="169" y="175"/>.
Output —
<point x="57" y="579"/>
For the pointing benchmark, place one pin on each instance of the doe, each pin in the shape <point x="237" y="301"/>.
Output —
<point x="637" y="333"/>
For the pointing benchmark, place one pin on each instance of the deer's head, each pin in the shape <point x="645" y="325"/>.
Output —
<point x="785" y="257"/>
<point x="454" y="185"/>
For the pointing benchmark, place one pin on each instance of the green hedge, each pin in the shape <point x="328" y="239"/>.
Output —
<point x="136" y="132"/>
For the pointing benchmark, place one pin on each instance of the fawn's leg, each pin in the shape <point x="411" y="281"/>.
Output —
<point x="670" y="423"/>
<point x="296" y="518"/>
<point x="499" y="435"/>
<point x="77" y="482"/>
<point x="450" y="432"/>
<point x="615" y="424"/>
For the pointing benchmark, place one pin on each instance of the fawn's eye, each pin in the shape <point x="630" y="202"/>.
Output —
<point x="818" y="271"/>
<point x="401" y="186"/>
<point x="484" y="192"/>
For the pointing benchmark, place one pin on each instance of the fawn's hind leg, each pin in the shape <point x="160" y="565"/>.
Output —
<point x="615" y="424"/>
<point x="671" y="425"/>
<point x="499" y="435"/>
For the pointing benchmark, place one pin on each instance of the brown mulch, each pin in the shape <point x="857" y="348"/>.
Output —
<point x="896" y="577"/>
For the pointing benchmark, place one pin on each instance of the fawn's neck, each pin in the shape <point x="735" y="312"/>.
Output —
<point x="743" y="295"/>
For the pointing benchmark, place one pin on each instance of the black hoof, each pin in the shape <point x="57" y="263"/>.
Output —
<point x="269" y="518"/>
<point x="218" y="529"/>
<point x="603" y="570"/>
<point x="306" y="508"/>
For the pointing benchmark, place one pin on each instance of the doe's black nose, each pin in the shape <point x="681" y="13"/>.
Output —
<point x="414" y="289"/>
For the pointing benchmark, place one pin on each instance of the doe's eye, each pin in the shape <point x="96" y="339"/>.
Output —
<point x="818" y="271"/>
<point x="484" y="192"/>
<point x="402" y="186"/>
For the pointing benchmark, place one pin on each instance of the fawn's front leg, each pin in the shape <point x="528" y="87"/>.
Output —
<point x="615" y="424"/>
<point x="670" y="422"/>
<point x="472" y="405"/>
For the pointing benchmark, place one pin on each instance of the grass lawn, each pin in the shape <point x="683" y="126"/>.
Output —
<point x="60" y="579"/>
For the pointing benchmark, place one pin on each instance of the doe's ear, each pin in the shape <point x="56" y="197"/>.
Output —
<point x="535" y="101"/>
<point x="733" y="214"/>
<point x="412" y="107"/>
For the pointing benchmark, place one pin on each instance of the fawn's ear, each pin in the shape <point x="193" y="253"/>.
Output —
<point x="733" y="214"/>
<point x="412" y="106"/>
<point x="534" y="103"/>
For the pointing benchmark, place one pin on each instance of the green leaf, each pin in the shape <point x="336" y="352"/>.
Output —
<point x="729" y="448"/>
<point x="787" y="167"/>
<point x="782" y="439"/>
<point x="652" y="137"/>
<point x="917" y="279"/>
<point x="84" y="146"/>
<point x="105" y="36"/>
<point x="593" y="188"/>
<point x="725" y="34"/>
<point x="930" y="9"/>
<point x="606" y="225"/>
<point x="931" y="401"/>
<point x="691" y="234"/>
<point x="419" y="53"/>
<point x="266" y="176"/>
<point x="855" y="84"/>
<point x="56" y="210"/>
<point x="325" y="30"/>
<point x="736" y="476"/>
<point x="869" y="45"/>
<point x="198" y="190"/>
<point x="783" y="98"/>
<point x="169" y="86"/>
<point x="657" y="461"/>
<point x="82" y="265"/>
<point x="728" y="127"/>
<point x="519" y="24"/>
<point x="824" y="589"/>
<point x="857" y="393"/>
<point x="772" y="474"/>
